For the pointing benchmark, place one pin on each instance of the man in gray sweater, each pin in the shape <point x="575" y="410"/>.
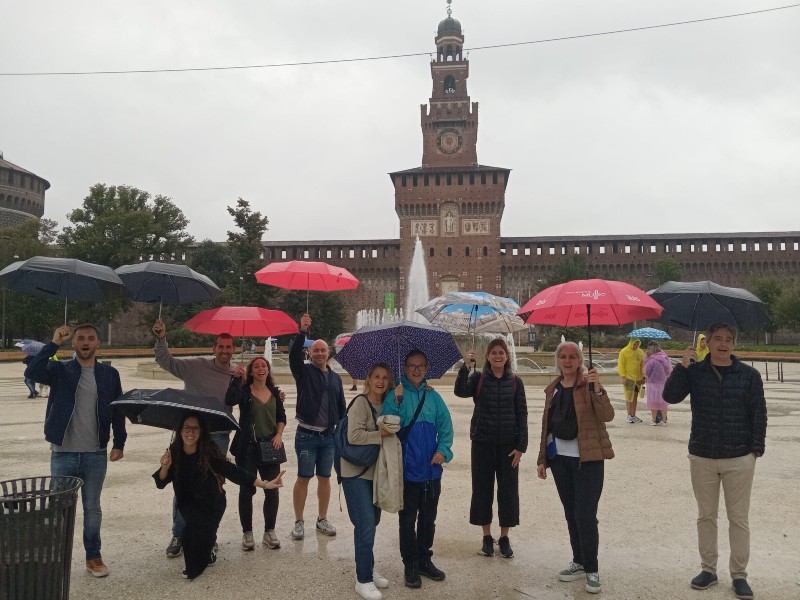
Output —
<point x="203" y="376"/>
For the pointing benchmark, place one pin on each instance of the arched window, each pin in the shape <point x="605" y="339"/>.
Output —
<point x="431" y="251"/>
<point x="466" y="251"/>
<point x="486" y="251"/>
<point x="449" y="251"/>
<point x="449" y="85"/>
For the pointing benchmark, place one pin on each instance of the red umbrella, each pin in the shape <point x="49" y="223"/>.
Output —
<point x="307" y="275"/>
<point x="584" y="302"/>
<point x="342" y="341"/>
<point x="243" y="321"/>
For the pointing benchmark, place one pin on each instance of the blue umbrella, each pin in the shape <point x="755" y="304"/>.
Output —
<point x="650" y="333"/>
<point x="474" y="312"/>
<point x="390" y="342"/>
<point x="30" y="347"/>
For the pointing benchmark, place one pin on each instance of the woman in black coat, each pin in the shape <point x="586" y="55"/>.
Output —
<point x="196" y="468"/>
<point x="261" y="417"/>
<point x="499" y="434"/>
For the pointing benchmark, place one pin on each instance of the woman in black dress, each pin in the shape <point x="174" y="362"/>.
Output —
<point x="196" y="468"/>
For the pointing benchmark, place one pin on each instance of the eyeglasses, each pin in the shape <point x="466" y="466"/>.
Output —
<point x="191" y="429"/>
<point x="421" y="367"/>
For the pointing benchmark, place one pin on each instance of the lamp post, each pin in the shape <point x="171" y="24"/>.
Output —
<point x="241" y="281"/>
<point x="3" y="334"/>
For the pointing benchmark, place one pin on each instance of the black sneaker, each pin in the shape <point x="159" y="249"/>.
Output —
<point x="412" y="579"/>
<point x="742" y="590"/>
<point x="212" y="560"/>
<point x="505" y="547"/>
<point x="431" y="572"/>
<point x="704" y="580"/>
<point x="175" y="547"/>
<point x="488" y="546"/>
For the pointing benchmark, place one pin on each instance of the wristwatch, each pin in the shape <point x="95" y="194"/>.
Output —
<point x="599" y="392"/>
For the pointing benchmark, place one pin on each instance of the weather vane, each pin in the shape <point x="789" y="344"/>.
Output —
<point x="449" y="10"/>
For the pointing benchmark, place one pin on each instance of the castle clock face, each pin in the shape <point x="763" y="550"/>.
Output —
<point x="449" y="141"/>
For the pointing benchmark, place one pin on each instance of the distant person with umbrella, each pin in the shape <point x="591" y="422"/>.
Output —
<point x="657" y="367"/>
<point x="261" y="417"/>
<point x="574" y="445"/>
<point x="29" y="383"/>
<point x="630" y="366"/>
<point x="196" y="468"/>
<point x="320" y="407"/>
<point x="78" y="423"/>
<point x="729" y="426"/>
<point x="499" y="435"/>
<point x="427" y="439"/>
<point x="202" y="376"/>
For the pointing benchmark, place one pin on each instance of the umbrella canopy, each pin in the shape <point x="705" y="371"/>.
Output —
<point x="474" y="312"/>
<point x="342" y="341"/>
<point x="243" y="321"/>
<point x="695" y="305"/>
<point x="63" y="279"/>
<point x="391" y="342"/>
<point x="30" y="347"/>
<point x="166" y="408"/>
<point x="307" y="275"/>
<point x="650" y="333"/>
<point x="167" y="284"/>
<point x="587" y="302"/>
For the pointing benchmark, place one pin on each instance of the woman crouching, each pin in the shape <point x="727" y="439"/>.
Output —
<point x="574" y="445"/>
<point x="196" y="468"/>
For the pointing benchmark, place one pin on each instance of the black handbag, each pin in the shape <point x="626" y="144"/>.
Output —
<point x="267" y="454"/>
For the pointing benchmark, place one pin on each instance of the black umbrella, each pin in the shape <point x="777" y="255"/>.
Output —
<point x="166" y="408"/>
<point x="63" y="279"/>
<point x="696" y="305"/>
<point x="167" y="284"/>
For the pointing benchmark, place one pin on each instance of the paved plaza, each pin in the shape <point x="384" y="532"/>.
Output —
<point x="647" y="516"/>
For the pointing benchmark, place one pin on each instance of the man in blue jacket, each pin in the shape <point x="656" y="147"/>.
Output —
<point x="427" y="445"/>
<point x="78" y="421"/>
<point x="729" y="426"/>
<point x="320" y="407"/>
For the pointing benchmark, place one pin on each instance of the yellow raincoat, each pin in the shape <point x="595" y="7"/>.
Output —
<point x="630" y="366"/>
<point x="701" y="351"/>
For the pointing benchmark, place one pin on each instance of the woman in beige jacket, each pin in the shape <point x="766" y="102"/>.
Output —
<point x="357" y="482"/>
<point x="574" y="445"/>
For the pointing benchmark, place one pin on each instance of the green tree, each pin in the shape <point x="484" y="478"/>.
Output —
<point x="567" y="269"/>
<point x="667" y="269"/>
<point x="787" y="308"/>
<point x="769" y="290"/>
<point x="119" y="225"/>
<point x="28" y="316"/>
<point x="327" y="310"/>
<point x="212" y="260"/>
<point x="245" y="251"/>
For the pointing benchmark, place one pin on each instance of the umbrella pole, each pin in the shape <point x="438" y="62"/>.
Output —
<point x="159" y="307"/>
<point x="307" y="293"/>
<point x="65" y="310"/>
<point x="589" y="327"/>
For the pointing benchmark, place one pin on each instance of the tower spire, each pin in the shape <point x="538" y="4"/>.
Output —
<point x="449" y="10"/>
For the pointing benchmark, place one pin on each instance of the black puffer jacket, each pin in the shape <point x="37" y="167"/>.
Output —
<point x="501" y="411"/>
<point x="729" y="416"/>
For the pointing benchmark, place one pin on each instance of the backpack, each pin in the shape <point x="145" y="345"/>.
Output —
<point x="563" y="419"/>
<point x="360" y="455"/>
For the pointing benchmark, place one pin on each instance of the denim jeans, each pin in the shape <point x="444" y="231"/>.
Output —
<point x="418" y="520"/>
<point x="91" y="468"/>
<point x="222" y="440"/>
<point x="314" y="453"/>
<point x="579" y="487"/>
<point x="364" y="516"/>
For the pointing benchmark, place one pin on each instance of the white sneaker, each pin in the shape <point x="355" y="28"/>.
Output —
<point x="248" y="543"/>
<point x="325" y="528"/>
<point x="298" y="533"/>
<point x="636" y="419"/>
<point x="368" y="591"/>
<point x="630" y="419"/>
<point x="379" y="581"/>
<point x="271" y="540"/>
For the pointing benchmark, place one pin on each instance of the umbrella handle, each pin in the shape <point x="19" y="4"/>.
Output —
<point x="589" y="327"/>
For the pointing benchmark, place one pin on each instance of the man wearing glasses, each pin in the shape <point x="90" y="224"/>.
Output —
<point x="426" y="447"/>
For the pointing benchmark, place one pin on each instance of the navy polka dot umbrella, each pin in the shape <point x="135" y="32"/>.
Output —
<point x="390" y="342"/>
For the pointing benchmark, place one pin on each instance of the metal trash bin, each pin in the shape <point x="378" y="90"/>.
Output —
<point x="37" y="523"/>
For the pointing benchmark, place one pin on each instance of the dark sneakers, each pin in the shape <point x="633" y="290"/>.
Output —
<point x="412" y="579"/>
<point x="488" y="546"/>
<point x="505" y="547"/>
<point x="431" y="572"/>
<point x="742" y="590"/>
<point x="704" y="581"/>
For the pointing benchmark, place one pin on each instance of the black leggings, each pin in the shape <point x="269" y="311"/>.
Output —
<point x="249" y="462"/>
<point x="490" y="462"/>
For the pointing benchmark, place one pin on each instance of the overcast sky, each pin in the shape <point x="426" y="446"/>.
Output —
<point x="693" y="128"/>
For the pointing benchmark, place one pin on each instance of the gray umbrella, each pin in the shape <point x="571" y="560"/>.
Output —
<point x="63" y="279"/>
<point x="167" y="284"/>
<point x="166" y="408"/>
<point x="695" y="305"/>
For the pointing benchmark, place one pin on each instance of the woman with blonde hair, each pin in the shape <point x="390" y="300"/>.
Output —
<point x="574" y="445"/>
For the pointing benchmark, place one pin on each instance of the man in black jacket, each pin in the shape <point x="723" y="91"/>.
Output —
<point x="729" y="424"/>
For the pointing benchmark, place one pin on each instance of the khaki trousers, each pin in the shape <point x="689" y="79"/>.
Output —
<point x="736" y="477"/>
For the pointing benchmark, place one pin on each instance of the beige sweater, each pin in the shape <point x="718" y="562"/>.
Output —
<point x="361" y="429"/>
